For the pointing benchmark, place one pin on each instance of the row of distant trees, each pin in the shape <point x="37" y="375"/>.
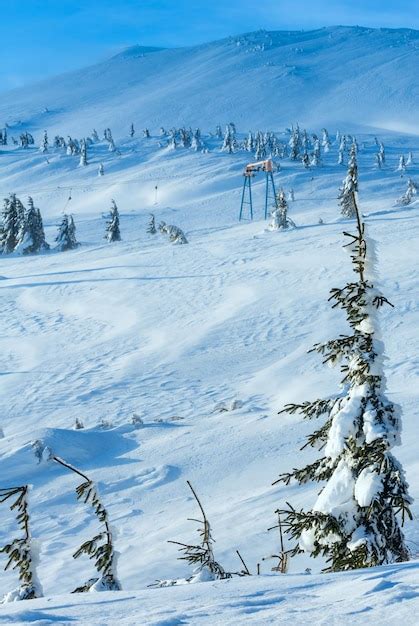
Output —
<point x="307" y="148"/>
<point x="22" y="229"/>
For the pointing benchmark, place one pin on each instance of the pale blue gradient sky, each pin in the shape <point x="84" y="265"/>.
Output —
<point x="40" y="38"/>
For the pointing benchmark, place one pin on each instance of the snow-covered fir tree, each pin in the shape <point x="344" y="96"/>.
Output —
<point x="409" y="160"/>
<point x="112" y="225"/>
<point x="83" y="153"/>
<point x="325" y="140"/>
<point x="316" y="156"/>
<point x="10" y="225"/>
<point x="101" y="170"/>
<point x="294" y="144"/>
<point x="280" y="219"/>
<point x="382" y="153"/>
<point x="196" y="143"/>
<point x="146" y="133"/>
<point x="66" y="238"/>
<point x="151" y="228"/>
<point x="347" y="194"/>
<point x="402" y="164"/>
<point x="356" y="519"/>
<point x="132" y="130"/>
<point x="95" y="136"/>
<point x="411" y="191"/>
<point x="305" y="159"/>
<point x="44" y="143"/>
<point x="31" y="236"/>
<point x="228" y="141"/>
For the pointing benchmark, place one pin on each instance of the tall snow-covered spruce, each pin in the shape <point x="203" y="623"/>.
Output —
<point x="112" y="225"/>
<point x="347" y="194"/>
<point x="357" y="517"/>
<point x="66" y="238"/>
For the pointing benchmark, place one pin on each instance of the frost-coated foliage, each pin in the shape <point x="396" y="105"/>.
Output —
<point x="21" y="553"/>
<point x="112" y="225"/>
<point x="66" y="238"/>
<point x="347" y="194"/>
<point x="355" y="520"/>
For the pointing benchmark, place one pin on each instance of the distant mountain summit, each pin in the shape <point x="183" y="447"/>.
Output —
<point x="136" y="51"/>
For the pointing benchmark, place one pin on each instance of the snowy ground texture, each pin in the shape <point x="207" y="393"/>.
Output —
<point x="167" y="332"/>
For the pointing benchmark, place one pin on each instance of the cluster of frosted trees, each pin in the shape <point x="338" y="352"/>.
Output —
<point x="22" y="229"/>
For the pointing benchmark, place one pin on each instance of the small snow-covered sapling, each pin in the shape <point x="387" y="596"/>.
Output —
<point x="100" y="548"/>
<point x="20" y="552"/>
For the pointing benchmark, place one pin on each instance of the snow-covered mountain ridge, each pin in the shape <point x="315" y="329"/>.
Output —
<point x="264" y="79"/>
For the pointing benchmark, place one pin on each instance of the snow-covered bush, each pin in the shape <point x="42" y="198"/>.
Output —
<point x="175" y="234"/>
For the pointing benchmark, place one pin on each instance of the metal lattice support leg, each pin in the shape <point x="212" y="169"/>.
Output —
<point x="247" y="185"/>
<point x="269" y="183"/>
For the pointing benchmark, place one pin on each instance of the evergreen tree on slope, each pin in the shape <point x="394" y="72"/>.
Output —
<point x="355" y="520"/>
<point x="347" y="194"/>
<point x="112" y="225"/>
<point x="66" y="238"/>
<point x="31" y="237"/>
<point x="10" y="225"/>
<point x="280" y="219"/>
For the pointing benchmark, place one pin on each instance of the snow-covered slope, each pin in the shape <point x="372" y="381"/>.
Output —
<point x="167" y="332"/>
<point x="263" y="79"/>
<point x="385" y="596"/>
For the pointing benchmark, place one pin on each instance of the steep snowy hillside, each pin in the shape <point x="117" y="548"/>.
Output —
<point x="168" y="332"/>
<point x="259" y="80"/>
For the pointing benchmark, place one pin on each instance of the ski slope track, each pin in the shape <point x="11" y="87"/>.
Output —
<point x="167" y="332"/>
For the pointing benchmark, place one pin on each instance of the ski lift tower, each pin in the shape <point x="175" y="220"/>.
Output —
<point x="270" y="192"/>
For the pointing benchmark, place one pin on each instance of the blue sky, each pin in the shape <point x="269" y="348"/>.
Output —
<point x="41" y="38"/>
